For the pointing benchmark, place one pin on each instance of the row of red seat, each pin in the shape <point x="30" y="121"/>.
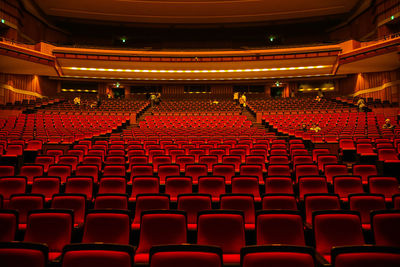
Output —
<point x="222" y="228"/>
<point x="61" y="127"/>
<point x="193" y="203"/>
<point x="92" y="255"/>
<point x="68" y="165"/>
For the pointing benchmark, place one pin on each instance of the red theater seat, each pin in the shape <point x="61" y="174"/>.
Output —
<point x="144" y="185"/>
<point x="160" y="228"/>
<point x="336" y="228"/>
<point x="279" y="202"/>
<point x="365" y="256"/>
<point x="213" y="185"/>
<point x="278" y="185"/>
<point x="62" y="171"/>
<point x="184" y="160"/>
<point x="89" y="171"/>
<point x="185" y="255"/>
<point x="209" y="160"/>
<point x="195" y="171"/>
<point x="114" y="170"/>
<point x="107" y="226"/>
<point x="80" y="185"/>
<point x="55" y="152"/>
<point x="279" y="227"/>
<point x="332" y="170"/>
<point x="192" y="204"/>
<point x="306" y="170"/>
<point x="146" y="202"/>
<point x="224" y="229"/>
<point x="51" y="227"/>
<point x="160" y="160"/>
<point x="326" y="159"/>
<point x="235" y="160"/>
<point x="112" y="184"/>
<point x="318" y="202"/>
<point x="225" y="170"/>
<point x="312" y="185"/>
<point x="241" y="202"/>
<point x="69" y="160"/>
<point x="385" y="227"/>
<point x="277" y="256"/>
<point x="74" y="202"/>
<point x="111" y="201"/>
<point x="252" y="170"/>
<point x="246" y="185"/>
<point x="388" y="186"/>
<point x="364" y="204"/>
<point x="365" y="170"/>
<point x="31" y="171"/>
<point x="141" y="170"/>
<point x="8" y="225"/>
<point x="279" y="170"/>
<point x="44" y="160"/>
<point x="10" y="186"/>
<point x="95" y="255"/>
<point x="21" y="254"/>
<point x="344" y="185"/>
<point x="176" y="185"/>
<point x="24" y="203"/>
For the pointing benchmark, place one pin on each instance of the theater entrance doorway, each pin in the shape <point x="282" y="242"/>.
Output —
<point x="277" y="91"/>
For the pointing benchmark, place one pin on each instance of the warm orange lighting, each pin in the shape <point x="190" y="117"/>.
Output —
<point x="199" y="71"/>
<point x="193" y="79"/>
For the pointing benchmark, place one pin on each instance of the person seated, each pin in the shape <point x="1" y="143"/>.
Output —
<point x="215" y="102"/>
<point x="361" y="105"/>
<point x="317" y="98"/>
<point x="93" y="104"/>
<point x="157" y="100"/>
<point x="304" y="128"/>
<point x="77" y="100"/>
<point x="387" y="125"/>
<point x="315" y="128"/>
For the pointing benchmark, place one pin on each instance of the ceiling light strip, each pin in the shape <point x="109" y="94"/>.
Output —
<point x="196" y="79"/>
<point x="198" y="71"/>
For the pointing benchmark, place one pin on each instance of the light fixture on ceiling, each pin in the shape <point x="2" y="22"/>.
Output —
<point x="271" y="38"/>
<point x="199" y="71"/>
<point x="196" y="79"/>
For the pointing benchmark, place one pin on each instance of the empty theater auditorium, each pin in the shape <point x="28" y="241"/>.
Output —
<point x="214" y="133"/>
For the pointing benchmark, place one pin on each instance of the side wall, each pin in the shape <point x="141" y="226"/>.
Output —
<point x="378" y="85"/>
<point x="15" y="87"/>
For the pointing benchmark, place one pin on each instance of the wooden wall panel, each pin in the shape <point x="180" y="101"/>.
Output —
<point x="173" y="90"/>
<point x="378" y="85"/>
<point x="31" y="86"/>
<point x="222" y="89"/>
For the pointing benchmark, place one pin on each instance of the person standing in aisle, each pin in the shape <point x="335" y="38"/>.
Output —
<point x="243" y="101"/>
<point x="152" y="99"/>
<point x="236" y="97"/>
